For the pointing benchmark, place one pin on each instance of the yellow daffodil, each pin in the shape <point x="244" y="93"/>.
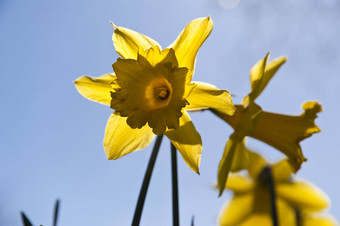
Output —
<point x="283" y="132"/>
<point x="295" y="200"/>
<point x="152" y="90"/>
<point x="315" y="219"/>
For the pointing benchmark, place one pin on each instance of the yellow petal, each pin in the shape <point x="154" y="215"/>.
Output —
<point x="303" y="196"/>
<point x="205" y="95"/>
<point x="155" y="56"/>
<point x="127" y="42"/>
<point x="262" y="73"/>
<point x="321" y="220"/>
<point x="187" y="141"/>
<point x="235" y="119"/>
<point x="256" y="164"/>
<point x="226" y="162"/>
<point x="238" y="183"/>
<point x="258" y="219"/>
<point x="241" y="157"/>
<point x="270" y="71"/>
<point x="256" y="75"/>
<point x="244" y="119"/>
<point x="121" y="140"/>
<point x="282" y="171"/>
<point x="285" y="216"/>
<point x="236" y="210"/>
<point x="96" y="89"/>
<point x="190" y="40"/>
<point x="284" y="132"/>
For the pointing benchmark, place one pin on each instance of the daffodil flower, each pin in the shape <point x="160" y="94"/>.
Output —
<point x="283" y="132"/>
<point x="250" y="204"/>
<point x="316" y="219"/>
<point x="152" y="90"/>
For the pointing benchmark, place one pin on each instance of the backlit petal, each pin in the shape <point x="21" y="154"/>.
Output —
<point x="303" y="195"/>
<point x="284" y="132"/>
<point x="239" y="184"/>
<point x="282" y="171"/>
<point x="224" y="166"/>
<point x="121" y="140"/>
<point x="258" y="219"/>
<point x="205" y="95"/>
<point x="285" y="215"/>
<point x="96" y="89"/>
<point x="190" y="40"/>
<point x="155" y="55"/>
<point x="256" y="164"/>
<point x="244" y="120"/>
<point x="262" y="73"/>
<point x="321" y="220"/>
<point x="256" y="75"/>
<point x="187" y="141"/>
<point x="236" y="210"/>
<point x="241" y="157"/>
<point x="127" y="42"/>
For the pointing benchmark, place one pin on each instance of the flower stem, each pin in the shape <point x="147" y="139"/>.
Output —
<point x="298" y="217"/>
<point x="146" y="181"/>
<point x="25" y="220"/>
<point x="193" y="220"/>
<point x="56" y="211"/>
<point x="175" y="207"/>
<point x="272" y="195"/>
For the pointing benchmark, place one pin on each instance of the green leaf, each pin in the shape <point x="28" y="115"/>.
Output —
<point x="25" y="220"/>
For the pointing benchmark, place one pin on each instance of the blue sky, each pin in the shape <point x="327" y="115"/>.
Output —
<point x="51" y="137"/>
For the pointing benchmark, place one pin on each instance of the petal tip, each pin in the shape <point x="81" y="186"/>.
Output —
<point x="210" y="20"/>
<point x="113" y="25"/>
<point x="109" y="154"/>
<point x="220" y="192"/>
<point x="79" y="78"/>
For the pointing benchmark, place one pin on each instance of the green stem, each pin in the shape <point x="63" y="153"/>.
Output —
<point x="175" y="206"/>
<point x="146" y="181"/>
<point x="272" y="195"/>
<point x="56" y="211"/>
<point x="298" y="217"/>
<point x="193" y="221"/>
<point x="25" y="220"/>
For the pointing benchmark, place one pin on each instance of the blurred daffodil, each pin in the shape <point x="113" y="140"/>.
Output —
<point x="283" y="132"/>
<point x="298" y="202"/>
<point x="314" y="219"/>
<point x="152" y="90"/>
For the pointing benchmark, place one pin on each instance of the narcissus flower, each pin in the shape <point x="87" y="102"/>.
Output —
<point x="283" y="132"/>
<point x="152" y="90"/>
<point x="315" y="219"/>
<point x="298" y="202"/>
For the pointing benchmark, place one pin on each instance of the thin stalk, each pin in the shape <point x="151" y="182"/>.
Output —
<point x="272" y="195"/>
<point x="25" y="220"/>
<point x="298" y="217"/>
<point x="146" y="181"/>
<point x="193" y="221"/>
<point x="175" y="206"/>
<point x="56" y="211"/>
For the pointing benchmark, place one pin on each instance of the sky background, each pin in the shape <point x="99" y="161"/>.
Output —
<point x="51" y="136"/>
